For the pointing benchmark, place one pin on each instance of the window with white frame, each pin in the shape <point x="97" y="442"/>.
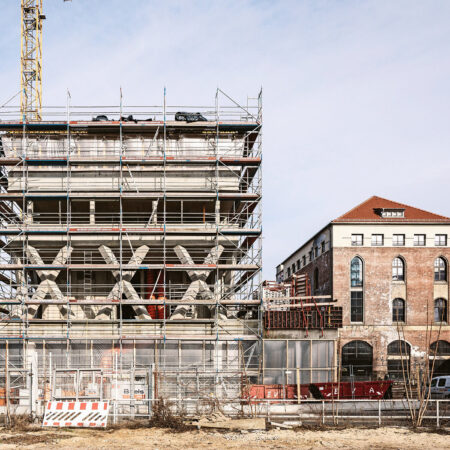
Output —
<point x="398" y="269"/>
<point x="356" y="272"/>
<point x="440" y="240"/>
<point x="357" y="240"/>
<point x="398" y="239"/>
<point x="377" y="239"/>
<point x="440" y="269"/>
<point x="419" y="240"/>
<point x="397" y="213"/>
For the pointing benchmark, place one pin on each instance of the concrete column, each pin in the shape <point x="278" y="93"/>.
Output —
<point x="217" y="212"/>
<point x="32" y="364"/>
<point x="29" y="213"/>
<point x="155" y="212"/>
<point x="92" y="212"/>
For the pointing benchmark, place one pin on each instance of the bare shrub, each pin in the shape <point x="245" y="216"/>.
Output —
<point x="163" y="417"/>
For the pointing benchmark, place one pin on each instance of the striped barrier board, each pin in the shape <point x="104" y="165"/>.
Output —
<point x="76" y="414"/>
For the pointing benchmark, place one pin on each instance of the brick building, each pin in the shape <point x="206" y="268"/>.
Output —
<point x="386" y="264"/>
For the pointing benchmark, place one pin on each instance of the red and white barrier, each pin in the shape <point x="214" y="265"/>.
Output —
<point x="76" y="414"/>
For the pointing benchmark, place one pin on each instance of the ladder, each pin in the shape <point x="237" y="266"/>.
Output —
<point x="87" y="285"/>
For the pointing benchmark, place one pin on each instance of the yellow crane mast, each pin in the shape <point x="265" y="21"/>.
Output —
<point x="31" y="60"/>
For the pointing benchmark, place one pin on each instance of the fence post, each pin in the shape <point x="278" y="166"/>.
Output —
<point x="379" y="412"/>
<point x="437" y="413"/>
<point x="323" y="412"/>
<point x="132" y="399"/>
<point x="150" y="389"/>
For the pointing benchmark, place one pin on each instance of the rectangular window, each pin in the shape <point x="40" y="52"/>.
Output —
<point x="398" y="239"/>
<point x="419" y="240"/>
<point x="304" y="260"/>
<point x="323" y="246"/>
<point x="293" y="269"/>
<point x="310" y="255"/>
<point x="440" y="240"/>
<point x="357" y="239"/>
<point x="316" y="252"/>
<point x="393" y="213"/>
<point x="356" y="306"/>
<point x="298" y="265"/>
<point x="377" y="239"/>
<point x="289" y="272"/>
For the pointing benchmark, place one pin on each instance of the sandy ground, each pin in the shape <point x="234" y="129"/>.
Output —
<point x="154" y="438"/>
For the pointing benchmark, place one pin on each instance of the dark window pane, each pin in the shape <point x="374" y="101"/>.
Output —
<point x="356" y="307"/>
<point x="398" y="310"/>
<point x="440" y="310"/>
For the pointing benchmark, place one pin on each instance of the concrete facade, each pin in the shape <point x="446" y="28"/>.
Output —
<point x="125" y="232"/>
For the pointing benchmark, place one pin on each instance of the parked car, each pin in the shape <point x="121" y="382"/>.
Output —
<point x="189" y="117"/>
<point x="440" y="387"/>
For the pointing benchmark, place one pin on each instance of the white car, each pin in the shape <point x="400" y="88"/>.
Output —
<point x="440" y="387"/>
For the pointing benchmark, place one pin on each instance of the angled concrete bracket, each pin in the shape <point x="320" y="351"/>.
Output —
<point x="48" y="277"/>
<point x="123" y="286"/>
<point x="198" y="286"/>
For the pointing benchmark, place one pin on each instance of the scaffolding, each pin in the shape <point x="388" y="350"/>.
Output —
<point x="122" y="226"/>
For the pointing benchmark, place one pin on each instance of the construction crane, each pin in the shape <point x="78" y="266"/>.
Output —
<point x="31" y="60"/>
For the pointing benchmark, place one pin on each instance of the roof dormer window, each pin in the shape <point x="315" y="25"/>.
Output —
<point x="396" y="213"/>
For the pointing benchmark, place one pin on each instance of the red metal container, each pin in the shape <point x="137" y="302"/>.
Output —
<point x="370" y="390"/>
<point x="275" y="392"/>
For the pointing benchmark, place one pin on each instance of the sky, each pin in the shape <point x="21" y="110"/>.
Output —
<point x="356" y="94"/>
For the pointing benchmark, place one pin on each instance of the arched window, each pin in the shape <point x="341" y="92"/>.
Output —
<point x="356" y="272"/>
<point x="316" y="280"/>
<point x="398" y="359"/>
<point x="440" y="310"/>
<point x="440" y="269"/>
<point x="399" y="348"/>
<point x="357" y="359"/>
<point x="439" y="359"/>
<point x="398" y="269"/>
<point x="440" y="348"/>
<point x="398" y="310"/>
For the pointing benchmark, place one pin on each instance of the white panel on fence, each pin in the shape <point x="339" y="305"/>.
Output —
<point x="76" y="414"/>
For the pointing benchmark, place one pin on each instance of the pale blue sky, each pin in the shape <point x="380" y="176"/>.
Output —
<point x="356" y="93"/>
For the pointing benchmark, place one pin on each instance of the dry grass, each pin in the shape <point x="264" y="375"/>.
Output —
<point x="31" y="439"/>
<point x="162" y="417"/>
<point x="22" y="422"/>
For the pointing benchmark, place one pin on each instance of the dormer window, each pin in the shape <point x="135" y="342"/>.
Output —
<point x="397" y="213"/>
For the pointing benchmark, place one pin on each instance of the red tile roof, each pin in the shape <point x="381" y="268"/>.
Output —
<point x="368" y="211"/>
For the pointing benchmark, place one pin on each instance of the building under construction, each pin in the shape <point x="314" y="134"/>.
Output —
<point x="131" y="237"/>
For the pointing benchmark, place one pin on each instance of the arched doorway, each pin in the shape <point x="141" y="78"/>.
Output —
<point x="357" y="360"/>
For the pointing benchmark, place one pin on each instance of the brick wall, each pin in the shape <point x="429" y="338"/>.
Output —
<point x="324" y="265"/>
<point x="419" y="291"/>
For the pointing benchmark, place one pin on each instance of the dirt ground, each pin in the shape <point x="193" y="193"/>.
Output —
<point x="156" y="438"/>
